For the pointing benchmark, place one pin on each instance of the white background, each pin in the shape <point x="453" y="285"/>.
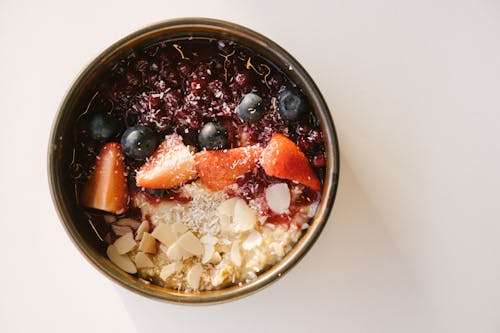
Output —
<point x="414" y="241"/>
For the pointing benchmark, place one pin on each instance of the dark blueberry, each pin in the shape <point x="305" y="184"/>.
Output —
<point x="292" y="104"/>
<point x="102" y="127"/>
<point x="251" y="108"/>
<point x="213" y="136"/>
<point x="139" y="142"/>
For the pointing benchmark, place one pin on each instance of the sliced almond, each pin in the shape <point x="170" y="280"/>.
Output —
<point x="207" y="253"/>
<point x="125" y="243"/>
<point x="235" y="254"/>
<point x="176" y="252"/>
<point x="278" y="197"/>
<point x="244" y="217"/>
<point x="121" y="260"/>
<point x="168" y="270"/>
<point x="164" y="234"/>
<point x="179" y="228"/>
<point x="216" y="258"/>
<point x="253" y="239"/>
<point x="209" y="239"/>
<point x="109" y="218"/>
<point x="313" y="208"/>
<point x="148" y="243"/>
<point x="120" y="230"/>
<point x="142" y="260"/>
<point x="193" y="276"/>
<point x="143" y="227"/>
<point x="226" y="208"/>
<point x="191" y="244"/>
<point x="127" y="221"/>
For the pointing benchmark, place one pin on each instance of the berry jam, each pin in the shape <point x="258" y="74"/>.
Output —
<point x="177" y="87"/>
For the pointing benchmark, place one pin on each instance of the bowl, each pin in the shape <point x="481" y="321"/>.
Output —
<point x="60" y="155"/>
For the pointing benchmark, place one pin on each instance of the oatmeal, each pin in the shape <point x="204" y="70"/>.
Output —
<point x="199" y="162"/>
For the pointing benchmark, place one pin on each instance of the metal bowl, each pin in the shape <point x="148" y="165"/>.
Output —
<point x="76" y="223"/>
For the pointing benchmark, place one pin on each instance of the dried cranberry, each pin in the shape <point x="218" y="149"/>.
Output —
<point x="242" y="79"/>
<point x="197" y="85"/>
<point x="319" y="160"/>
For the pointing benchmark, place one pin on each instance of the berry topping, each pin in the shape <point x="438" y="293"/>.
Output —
<point x="171" y="165"/>
<point x="218" y="169"/>
<point x="292" y="104"/>
<point x="213" y="136"/>
<point x="102" y="127"/>
<point x="283" y="159"/>
<point x="139" y="142"/>
<point x="106" y="188"/>
<point x="250" y="108"/>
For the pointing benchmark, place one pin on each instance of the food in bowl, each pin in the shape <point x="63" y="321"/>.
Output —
<point x="199" y="162"/>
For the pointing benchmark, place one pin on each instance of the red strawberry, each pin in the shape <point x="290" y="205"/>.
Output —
<point x="220" y="168"/>
<point x="106" y="188"/>
<point x="171" y="165"/>
<point x="283" y="159"/>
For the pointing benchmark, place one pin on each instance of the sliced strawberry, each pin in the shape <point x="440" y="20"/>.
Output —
<point x="171" y="165"/>
<point x="283" y="159"/>
<point x="220" y="168"/>
<point x="106" y="188"/>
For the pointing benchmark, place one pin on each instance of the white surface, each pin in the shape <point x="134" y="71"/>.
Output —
<point x="414" y="244"/>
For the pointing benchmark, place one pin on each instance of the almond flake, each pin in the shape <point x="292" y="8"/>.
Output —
<point x="226" y="208"/>
<point x="148" y="243"/>
<point x="278" y="197"/>
<point x="143" y="227"/>
<point x="164" y="234"/>
<point x="253" y="239"/>
<point x="191" y="244"/>
<point x="244" y="217"/>
<point x="179" y="228"/>
<point x="121" y="260"/>
<point x="193" y="276"/>
<point x="207" y="253"/>
<point x="142" y="260"/>
<point x="235" y="254"/>
<point x="109" y="218"/>
<point x="169" y="269"/>
<point x="209" y="239"/>
<point x="125" y="243"/>
<point x="120" y="230"/>
<point x="128" y="222"/>
<point x="176" y="252"/>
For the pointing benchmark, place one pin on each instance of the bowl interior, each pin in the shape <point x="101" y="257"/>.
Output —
<point x="78" y="224"/>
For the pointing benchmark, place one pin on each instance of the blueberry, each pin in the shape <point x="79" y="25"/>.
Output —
<point x="251" y="108"/>
<point x="102" y="127"/>
<point x="213" y="136"/>
<point x="292" y="104"/>
<point x="139" y="142"/>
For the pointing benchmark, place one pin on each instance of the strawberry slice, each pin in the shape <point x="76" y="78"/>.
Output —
<point x="220" y="168"/>
<point x="171" y="165"/>
<point x="283" y="159"/>
<point x="106" y="189"/>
